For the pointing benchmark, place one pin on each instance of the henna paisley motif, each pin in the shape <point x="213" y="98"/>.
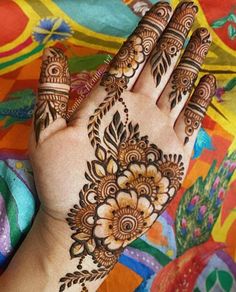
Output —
<point x="172" y="39"/>
<point x="187" y="70"/>
<point x="197" y="106"/>
<point x="53" y="90"/>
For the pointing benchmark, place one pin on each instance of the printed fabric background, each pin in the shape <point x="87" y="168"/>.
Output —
<point x="192" y="246"/>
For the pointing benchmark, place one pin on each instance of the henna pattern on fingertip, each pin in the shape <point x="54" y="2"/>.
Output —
<point x="123" y="67"/>
<point x="186" y="73"/>
<point x="53" y="92"/>
<point x="172" y="39"/>
<point x="198" y="104"/>
<point x="129" y="185"/>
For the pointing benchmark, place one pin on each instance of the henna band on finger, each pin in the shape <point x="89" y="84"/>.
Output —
<point x="53" y="92"/>
<point x="198" y="104"/>
<point x="172" y="39"/>
<point x="186" y="73"/>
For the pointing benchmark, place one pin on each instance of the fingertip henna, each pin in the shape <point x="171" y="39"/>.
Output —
<point x="198" y="104"/>
<point x="172" y="40"/>
<point x="53" y="90"/>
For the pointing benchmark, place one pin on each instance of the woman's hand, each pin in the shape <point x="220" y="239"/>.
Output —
<point x="116" y="164"/>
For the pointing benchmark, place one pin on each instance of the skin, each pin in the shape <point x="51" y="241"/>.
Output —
<point x="60" y="149"/>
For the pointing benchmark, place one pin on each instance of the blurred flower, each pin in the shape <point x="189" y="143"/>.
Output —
<point x="220" y="197"/>
<point x="191" y="205"/>
<point x="201" y="212"/>
<point x="183" y="226"/>
<point x="202" y="209"/>
<point x="51" y="29"/>
<point x="232" y="167"/>
<point x="210" y="221"/>
<point x="227" y="163"/>
<point x="197" y="232"/>
<point x="219" y="93"/>
<point x="183" y="223"/>
<point x="216" y="183"/>
<point x="214" y="186"/>
<point x="221" y="193"/>
<point x="194" y="200"/>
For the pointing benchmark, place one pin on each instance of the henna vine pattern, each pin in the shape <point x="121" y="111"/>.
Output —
<point x="132" y="54"/>
<point x="54" y="86"/>
<point x="172" y="39"/>
<point x="130" y="183"/>
<point x="187" y="71"/>
<point x="197" y="106"/>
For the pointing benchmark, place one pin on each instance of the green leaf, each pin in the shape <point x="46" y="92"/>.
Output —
<point x="232" y="17"/>
<point x="231" y="32"/>
<point x="226" y="280"/>
<point x="230" y="85"/>
<point x="87" y="63"/>
<point x="210" y="281"/>
<point x="196" y="289"/>
<point x="220" y="22"/>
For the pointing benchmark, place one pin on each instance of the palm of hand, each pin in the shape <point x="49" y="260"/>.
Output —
<point x="121" y="158"/>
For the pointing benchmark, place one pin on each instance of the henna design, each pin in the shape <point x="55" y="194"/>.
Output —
<point x="82" y="277"/>
<point x="188" y="68"/>
<point x="172" y="39"/>
<point x="53" y="90"/>
<point x="122" y="68"/>
<point x="130" y="183"/>
<point x="197" y="105"/>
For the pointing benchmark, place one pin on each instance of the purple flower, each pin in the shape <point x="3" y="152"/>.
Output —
<point x="202" y="209"/>
<point x="183" y="223"/>
<point x="197" y="232"/>
<point x="232" y="168"/>
<point x="201" y="212"/>
<point x="227" y="163"/>
<point x="184" y="226"/>
<point x="219" y="92"/>
<point x="192" y="204"/>
<point x="210" y="221"/>
<point x="216" y="183"/>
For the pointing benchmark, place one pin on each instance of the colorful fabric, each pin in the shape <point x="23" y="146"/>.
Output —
<point x="192" y="245"/>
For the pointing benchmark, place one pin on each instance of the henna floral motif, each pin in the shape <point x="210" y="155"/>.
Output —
<point x="197" y="105"/>
<point x="122" y="68"/>
<point x="129" y="184"/>
<point x="123" y="218"/>
<point x="172" y="39"/>
<point x="147" y="180"/>
<point x="53" y="90"/>
<point x="187" y="71"/>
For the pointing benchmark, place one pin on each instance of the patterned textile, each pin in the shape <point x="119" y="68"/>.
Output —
<point x="192" y="245"/>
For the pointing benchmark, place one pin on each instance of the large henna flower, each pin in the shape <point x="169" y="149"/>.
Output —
<point x="128" y="58"/>
<point x="146" y="180"/>
<point x="122" y="219"/>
